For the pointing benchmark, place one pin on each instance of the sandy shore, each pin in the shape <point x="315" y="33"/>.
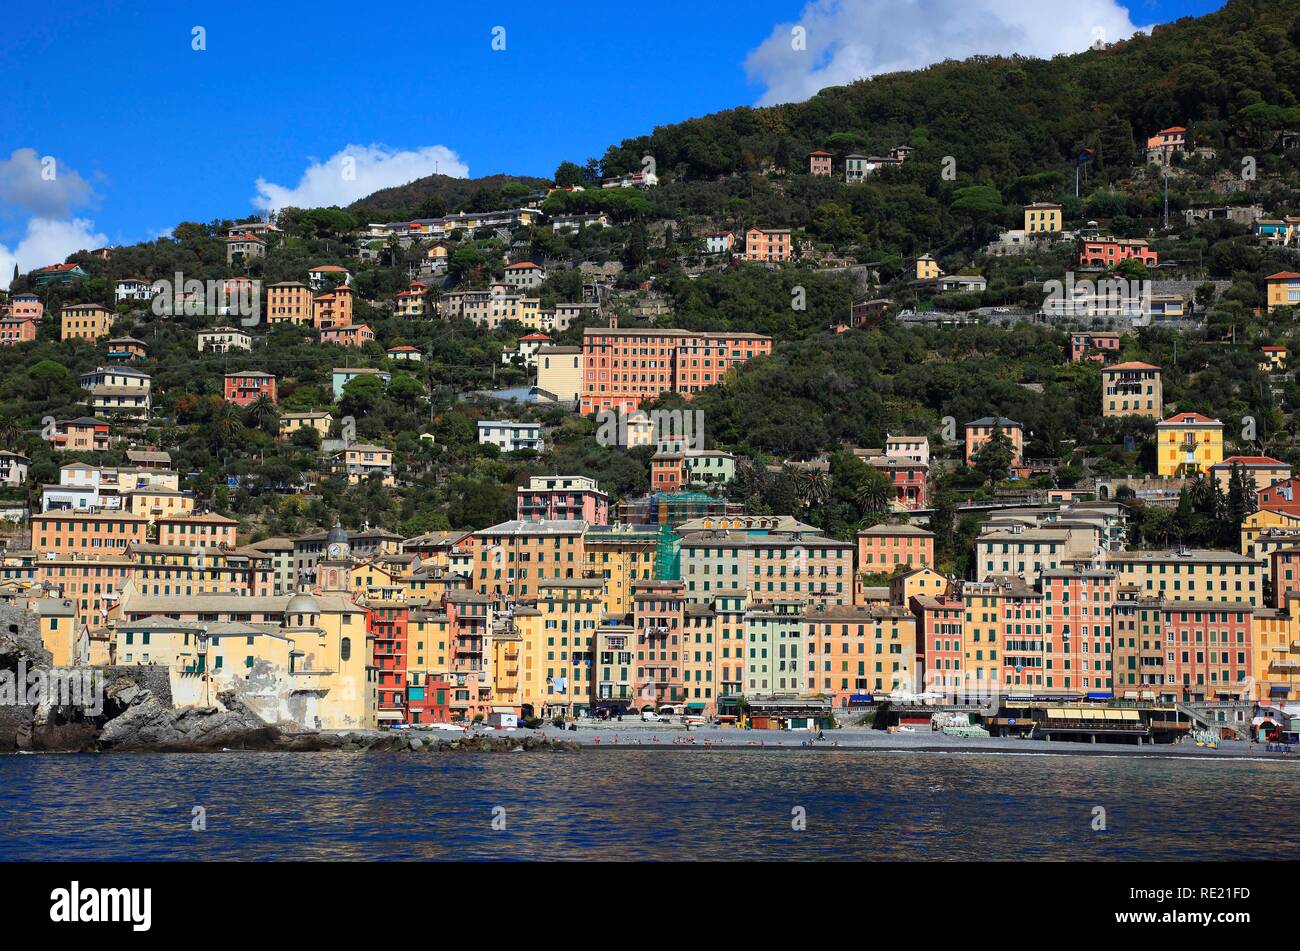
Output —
<point x="644" y="736"/>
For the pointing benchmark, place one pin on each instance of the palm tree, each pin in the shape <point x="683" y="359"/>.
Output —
<point x="874" y="495"/>
<point x="224" y="429"/>
<point x="262" y="414"/>
<point x="816" y="487"/>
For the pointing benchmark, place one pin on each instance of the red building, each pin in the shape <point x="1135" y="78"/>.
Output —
<point x="1281" y="496"/>
<point x="245" y="387"/>
<point x="1108" y="252"/>
<point x="17" y="330"/>
<point x="911" y="481"/>
<point x="430" y="701"/>
<point x="386" y="625"/>
<point x="939" y="639"/>
<point x="622" y="368"/>
<point x="819" y="163"/>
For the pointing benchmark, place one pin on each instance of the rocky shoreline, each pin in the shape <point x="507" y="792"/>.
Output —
<point x="134" y="713"/>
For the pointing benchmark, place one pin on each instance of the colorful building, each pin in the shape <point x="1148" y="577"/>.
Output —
<point x="245" y="387"/>
<point x="1187" y="444"/>
<point x="1131" y="389"/>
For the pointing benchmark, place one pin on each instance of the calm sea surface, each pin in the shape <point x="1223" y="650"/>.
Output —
<point x="631" y="804"/>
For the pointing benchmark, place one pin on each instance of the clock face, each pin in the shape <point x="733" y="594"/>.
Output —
<point x="335" y="550"/>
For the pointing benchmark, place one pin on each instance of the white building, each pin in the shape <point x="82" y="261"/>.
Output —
<point x="118" y="391"/>
<point x="223" y="340"/>
<point x="510" y="436"/>
<point x="133" y="289"/>
<point x="13" y="468"/>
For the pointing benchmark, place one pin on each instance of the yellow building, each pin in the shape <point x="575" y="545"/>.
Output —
<point x="507" y="679"/>
<point x="374" y="582"/>
<point x="327" y="683"/>
<point x="1186" y="444"/>
<point x="85" y="322"/>
<point x="1186" y="574"/>
<point x="526" y="622"/>
<point x="920" y="582"/>
<point x="1042" y="218"/>
<point x="927" y="268"/>
<point x="1283" y="290"/>
<point x="570" y="613"/>
<point x="59" y="631"/>
<point x="426" y="638"/>
<point x="1132" y="389"/>
<point x="1275" y="644"/>
<point x="621" y="555"/>
<point x="1256" y="526"/>
<point x="559" y="371"/>
<point x="156" y="502"/>
<point x="1272" y="359"/>
<point x="290" y="423"/>
<point x="513" y="558"/>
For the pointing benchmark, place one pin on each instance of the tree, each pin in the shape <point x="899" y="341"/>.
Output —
<point x="568" y="174"/>
<point x="262" y="414"/>
<point x="993" y="461"/>
<point x="638" y="246"/>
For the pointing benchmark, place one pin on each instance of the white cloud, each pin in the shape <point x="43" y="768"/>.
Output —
<point x="42" y="185"/>
<point x="48" y="241"/>
<point x="847" y="40"/>
<point x="355" y="172"/>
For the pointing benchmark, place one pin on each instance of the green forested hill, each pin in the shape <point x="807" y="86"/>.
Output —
<point x="1232" y="76"/>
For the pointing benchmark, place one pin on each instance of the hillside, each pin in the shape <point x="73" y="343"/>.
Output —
<point x="438" y="195"/>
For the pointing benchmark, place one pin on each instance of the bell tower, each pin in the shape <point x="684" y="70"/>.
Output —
<point x="333" y="571"/>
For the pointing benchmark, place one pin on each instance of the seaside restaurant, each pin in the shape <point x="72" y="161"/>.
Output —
<point x="790" y="712"/>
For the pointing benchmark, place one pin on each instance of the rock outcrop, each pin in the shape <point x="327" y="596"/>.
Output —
<point x="134" y="712"/>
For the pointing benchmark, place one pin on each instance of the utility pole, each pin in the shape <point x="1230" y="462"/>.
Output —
<point x="1166" y="197"/>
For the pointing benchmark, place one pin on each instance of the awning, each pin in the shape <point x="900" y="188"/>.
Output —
<point x="695" y="706"/>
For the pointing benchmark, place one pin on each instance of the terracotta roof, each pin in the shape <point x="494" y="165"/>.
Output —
<point x="1252" y="461"/>
<point x="1283" y="276"/>
<point x="1189" y="418"/>
<point x="1134" y="365"/>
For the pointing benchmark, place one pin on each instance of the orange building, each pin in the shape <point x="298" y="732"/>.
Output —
<point x="81" y="435"/>
<point x="208" y="530"/>
<point x="884" y="549"/>
<point x="86" y="532"/>
<point x="981" y="431"/>
<point x="768" y="244"/>
<point x="289" y="300"/>
<point x="623" y="367"/>
<point x="16" y="330"/>
<point x="332" y="309"/>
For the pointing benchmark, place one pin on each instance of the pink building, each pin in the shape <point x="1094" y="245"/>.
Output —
<point x="1096" y="347"/>
<point x="569" y="498"/>
<point x="349" y="336"/>
<point x="819" y="163"/>
<point x="26" y="305"/>
<point x="1208" y="649"/>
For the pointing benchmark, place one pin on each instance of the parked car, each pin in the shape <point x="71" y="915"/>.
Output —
<point x="649" y="716"/>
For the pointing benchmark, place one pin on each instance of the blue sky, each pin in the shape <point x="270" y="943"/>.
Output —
<point x="147" y="131"/>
